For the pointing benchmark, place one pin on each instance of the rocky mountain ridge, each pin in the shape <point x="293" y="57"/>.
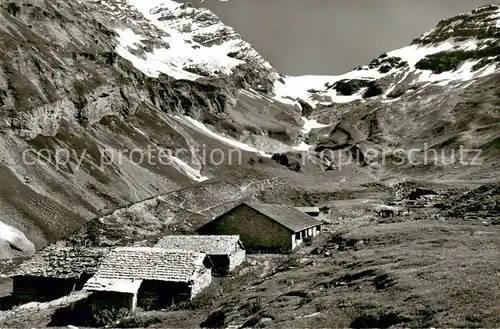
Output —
<point x="459" y="49"/>
<point x="98" y="79"/>
<point x="66" y="91"/>
<point x="178" y="40"/>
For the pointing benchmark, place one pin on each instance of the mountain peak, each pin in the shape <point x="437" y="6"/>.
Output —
<point x="147" y="6"/>
<point x="176" y="39"/>
<point x="481" y="23"/>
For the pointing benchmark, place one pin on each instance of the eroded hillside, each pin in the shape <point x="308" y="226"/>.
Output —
<point x="75" y="111"/>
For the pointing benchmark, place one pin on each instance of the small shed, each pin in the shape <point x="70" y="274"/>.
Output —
<point x="151" y="278"/>
<point x="265" y="227"/>
<point x="311" y="211"/>
<point x="54" y="272"/>
<point x="225" y="251"/>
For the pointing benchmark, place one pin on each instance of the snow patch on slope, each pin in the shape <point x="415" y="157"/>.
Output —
<point x="464" y="73"/>
<point x="497" y="16"/>
<point x="144" y="6"/>
<point x="302" y="147"/>
<point x="226" y="140"/>
<point x="128" y="38"/>
<point x="310" y="124"/>
<point x="16" y="238"/>
<point x="188" y="170"/>
<point x="140" y="131"/>
<point x="300" y="87"/>
<point x="488" y="70"/>
<point x="414" y="53"/>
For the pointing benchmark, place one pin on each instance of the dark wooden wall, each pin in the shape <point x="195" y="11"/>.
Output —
<point x="155" y="295"/>
<point x="41" y="289"/>
<point x="110" y="300"/>
<point x="220" y="265"/>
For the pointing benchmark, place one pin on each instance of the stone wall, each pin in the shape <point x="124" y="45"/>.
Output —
<point x="257" y="232"/>
<point x="236" y="259"/>
<point x="223" y="264"/>
<point x="203" y="280"/>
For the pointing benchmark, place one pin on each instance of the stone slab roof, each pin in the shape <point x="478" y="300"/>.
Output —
<point x="208" y="244"/>
<point x="61" y="262"/>
<point x="290" y="217"/>
<point x="117" y="285"/>
<point x="142" y="263"/>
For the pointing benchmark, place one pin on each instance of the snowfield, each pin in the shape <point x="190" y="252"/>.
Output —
<point x="173" y="60"/>
<point x="183" y="51"/>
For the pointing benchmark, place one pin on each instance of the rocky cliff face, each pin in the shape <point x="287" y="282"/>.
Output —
<point x="480" y="24"/>
<point x="96" y="97"/>
<point x="75" y="103"/>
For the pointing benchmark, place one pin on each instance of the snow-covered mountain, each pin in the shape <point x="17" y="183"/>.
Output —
<point x="457" y="51"/>
<point x="176" y="39"/>
<point x="173" y="38"/>
<point x="190" y="43"/>
<point x="103" y="83"/>
<point x="69" y="85"/>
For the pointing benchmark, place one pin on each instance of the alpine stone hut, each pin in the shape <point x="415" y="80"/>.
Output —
<point x="265" y="227"/>
<point x="225" y="251"/>
<point x="55" y="272"/>
<point x="151" y="278"/>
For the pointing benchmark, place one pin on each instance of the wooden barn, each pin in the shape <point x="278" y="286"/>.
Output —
<point x="265" y="227"/>
<point x="54" y="272"/>
<point x="225" y="251"/>
<point x="150" y="278"/>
